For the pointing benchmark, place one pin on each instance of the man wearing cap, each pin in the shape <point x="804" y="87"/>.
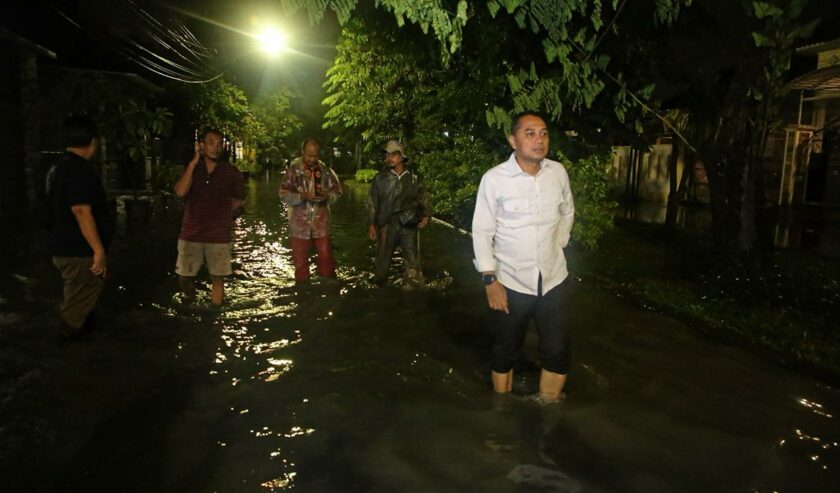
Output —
<point x="397" y="207"/>
<point x="523" y="216"/>
<point x="308" y="188"/>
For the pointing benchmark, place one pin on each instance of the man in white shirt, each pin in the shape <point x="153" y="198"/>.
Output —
<point x="523" y="216"/>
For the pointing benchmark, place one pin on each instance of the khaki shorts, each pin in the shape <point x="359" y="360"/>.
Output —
<point x="191" y="255"/>
<point x="81" y="289"/>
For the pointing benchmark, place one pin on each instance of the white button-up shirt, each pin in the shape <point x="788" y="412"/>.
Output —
<point x="522" y="223"/>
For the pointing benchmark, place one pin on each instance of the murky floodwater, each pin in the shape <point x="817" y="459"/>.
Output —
<point x="353" y="388"/>
<point x="808" y="227"/>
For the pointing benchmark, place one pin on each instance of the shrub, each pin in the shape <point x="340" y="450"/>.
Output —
<point x="591" y="183"/>
<point x="365" y="175"/>
<point x="166" y="175"/>
<point x="248" y="166"/>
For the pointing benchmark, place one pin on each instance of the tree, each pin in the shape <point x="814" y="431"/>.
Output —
<point x="563" y="78"/>
<point x="130" y="127"/>
<point x="262" y="127"/>
<point x="568" y="32"/>
<point x="273" y="111"/>
<point x="727" y="69"/>
<point x="390" y="83"/>
<point x="127" y="114"/>
<point x="220" y="105"/>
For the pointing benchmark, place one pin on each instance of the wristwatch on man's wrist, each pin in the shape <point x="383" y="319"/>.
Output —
<point x="488" y="279"/>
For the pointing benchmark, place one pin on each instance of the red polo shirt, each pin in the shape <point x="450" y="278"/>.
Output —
<point x="208" y="215"/>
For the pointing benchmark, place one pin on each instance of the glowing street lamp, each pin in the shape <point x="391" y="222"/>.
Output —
<point x="272" y="40"/>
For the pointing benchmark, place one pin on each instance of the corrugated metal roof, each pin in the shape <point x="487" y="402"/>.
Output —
<point x="824" y="79"/>
<point x="816" y="48"/>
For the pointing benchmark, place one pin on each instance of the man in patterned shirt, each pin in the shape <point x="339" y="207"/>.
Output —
<point x="308" y="188"/>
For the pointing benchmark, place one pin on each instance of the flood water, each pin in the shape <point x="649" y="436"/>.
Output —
<point x="353" y="388"/>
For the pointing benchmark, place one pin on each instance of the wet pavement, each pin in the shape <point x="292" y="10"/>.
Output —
<point x="353" y="388"/>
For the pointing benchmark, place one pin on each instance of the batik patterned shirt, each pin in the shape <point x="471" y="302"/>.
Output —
<point x="309" y="219"/>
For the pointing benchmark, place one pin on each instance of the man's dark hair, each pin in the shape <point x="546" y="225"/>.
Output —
<point x="79" y="131"/>
<point x="517" y="119"/>
<point x="208" y="131"/>
<point x="309" y="140"/>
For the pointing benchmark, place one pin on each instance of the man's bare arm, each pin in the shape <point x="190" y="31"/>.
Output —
<point x="87" y="224"/>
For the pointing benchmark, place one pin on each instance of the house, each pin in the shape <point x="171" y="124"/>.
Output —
<point x="66" y="90"/>
<point x="810" y="171"/>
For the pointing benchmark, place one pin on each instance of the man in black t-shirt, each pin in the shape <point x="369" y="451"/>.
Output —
<point x="81" y="226"/>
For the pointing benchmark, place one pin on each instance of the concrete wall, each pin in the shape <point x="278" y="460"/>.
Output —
<point x="653" y="175"/>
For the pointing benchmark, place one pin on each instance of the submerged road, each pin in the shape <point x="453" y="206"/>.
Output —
<point x="352" y="388"/>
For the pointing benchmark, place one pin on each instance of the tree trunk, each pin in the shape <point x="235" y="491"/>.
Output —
<point x="746" y="216"/>
<point x="677" y="191"/>
<point x="725" y="196"/>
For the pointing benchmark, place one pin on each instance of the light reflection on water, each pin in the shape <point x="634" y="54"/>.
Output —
<point x="282" y="483"/>
<point x="816" y="407"/>
<point x="812" y="448"/>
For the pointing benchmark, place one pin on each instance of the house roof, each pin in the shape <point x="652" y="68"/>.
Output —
<point x="822" y="79"/>
<point x="7" y="35"/>
<point x="815" y="48"/>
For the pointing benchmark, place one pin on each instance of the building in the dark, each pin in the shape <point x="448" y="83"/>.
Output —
<point x="20" y="133"/>
<point x="810" y="168"/>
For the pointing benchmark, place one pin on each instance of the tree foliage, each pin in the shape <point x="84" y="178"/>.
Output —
<point x="489" y="66"/>
<point x="729" y="88"/>
<point x="264" y="125"/>
<point x="570" y="73"/>
<point x="383" y="86"/>
<point x="220" y="105"/>
<point x="728" y="68"/>
<point x="273" y="111"/>
<point x="127" y="113"/>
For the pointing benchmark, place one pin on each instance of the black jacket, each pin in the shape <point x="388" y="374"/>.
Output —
<point x="391" y="195"/>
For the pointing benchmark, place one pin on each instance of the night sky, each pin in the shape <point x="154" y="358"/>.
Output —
<point x="98" y="40"/>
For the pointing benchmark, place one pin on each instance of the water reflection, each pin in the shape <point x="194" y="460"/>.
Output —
<point x="812" y="448"/>
<point x="815" y="407"/>
<point x="281" y="483"/>
<point x="808" y="227"/>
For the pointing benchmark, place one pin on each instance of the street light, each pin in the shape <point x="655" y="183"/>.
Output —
<point x="272" y="40"/>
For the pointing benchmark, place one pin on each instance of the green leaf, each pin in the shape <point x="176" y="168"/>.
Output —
<point x="514" y="83"/>
<point x="807" y="30"/>
<point x="762" y="41"/>
<point x="764" y="9"/>
<point x="795" y="8"/>
<point x="462" y="11"/>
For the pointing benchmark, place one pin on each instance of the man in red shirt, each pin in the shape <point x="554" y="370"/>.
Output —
<point x="214" y="192"/>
